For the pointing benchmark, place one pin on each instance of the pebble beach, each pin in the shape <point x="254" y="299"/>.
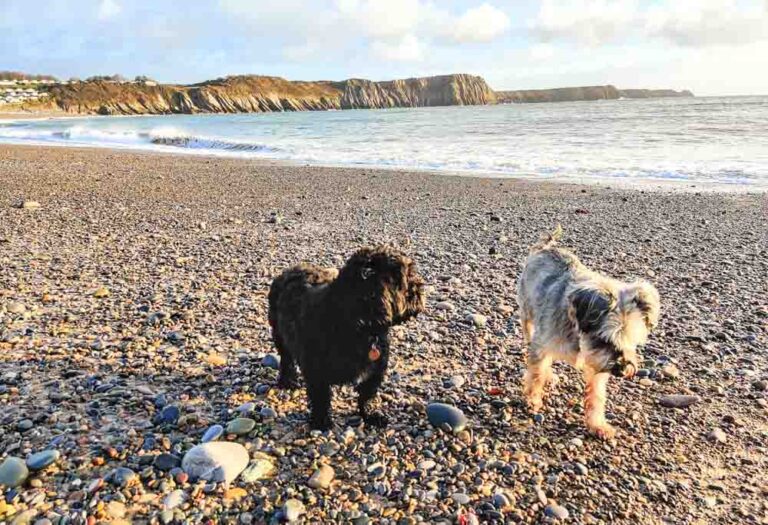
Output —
<point x="137" y="369"/>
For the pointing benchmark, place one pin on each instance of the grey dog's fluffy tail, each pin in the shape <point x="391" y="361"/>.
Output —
<point x="548" y="240"/>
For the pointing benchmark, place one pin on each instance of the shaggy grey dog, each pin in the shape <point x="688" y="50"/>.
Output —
<point x="593" y="322"/>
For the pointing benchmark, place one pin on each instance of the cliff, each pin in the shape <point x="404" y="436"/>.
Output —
<point x="572" y="94"/>
<point x="250" y="93"/>
<point x="654" y="93"/>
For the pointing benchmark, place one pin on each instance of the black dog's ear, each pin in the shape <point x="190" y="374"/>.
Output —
<point x="588" y="307"/>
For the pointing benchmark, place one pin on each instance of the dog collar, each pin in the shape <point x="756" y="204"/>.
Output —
<point x="374" y="354"/>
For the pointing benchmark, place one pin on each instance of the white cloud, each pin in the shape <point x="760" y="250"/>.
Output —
<point x="407" y="49"/>
<point x="108" y="9"/>
<point x="590" y="22"/>
<point x="681" y="22"/>
<point x="382" y="19"/>
<point x="481" y="24"/>
<point x="707" y="22"/>
<point x="390" y="30"/>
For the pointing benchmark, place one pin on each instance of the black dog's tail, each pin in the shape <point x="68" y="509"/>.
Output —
<point x="548" y="240"/>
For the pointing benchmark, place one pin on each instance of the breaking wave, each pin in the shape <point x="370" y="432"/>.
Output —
<point x="163" y="136"/>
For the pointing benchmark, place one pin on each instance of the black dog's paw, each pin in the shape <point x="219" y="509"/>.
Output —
<point x="323" y="423"/>
<point x="288" y="383"/>
<point x="376" y="419"/>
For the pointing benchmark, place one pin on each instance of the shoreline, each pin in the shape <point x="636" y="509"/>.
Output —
<point x="654" y="185"/>
<point x="133" y="319"/>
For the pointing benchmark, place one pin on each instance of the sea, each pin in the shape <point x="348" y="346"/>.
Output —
<point x="702" y="140"/>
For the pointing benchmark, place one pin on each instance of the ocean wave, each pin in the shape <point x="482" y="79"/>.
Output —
<point x="159" y="136"/>
<point x="207" y="143"/>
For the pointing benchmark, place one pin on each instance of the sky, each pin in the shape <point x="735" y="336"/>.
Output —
<point x="709" y="46"/>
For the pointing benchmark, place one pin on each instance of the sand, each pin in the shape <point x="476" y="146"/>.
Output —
<point x="139" y="284"/>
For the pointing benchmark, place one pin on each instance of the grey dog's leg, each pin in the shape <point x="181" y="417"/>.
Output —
<point x="538" y="374"/>
<point x="595" y="395"/>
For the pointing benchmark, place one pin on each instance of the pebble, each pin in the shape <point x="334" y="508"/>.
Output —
<point x="15" y="308"/>
<point x="293" y="510"/>
<point x="122" y="477"/>
<point x="169" y="415"/>
<point x="217" y="461"/>
<point x="556" y="511"/>
<point x="268" y="413"/>
<point x="101" y="292"/>
<point x="478" y="320"/>
<point x="24" y="518"/>
<point x="504" y="309"/>
<point x="445" y="306"/>
<point x="241" y="426"/>
<point x="501" y="500"/>
<point x="30" y="205"/>
<point x="581" y="469"/>
<point x="246" y="408"/>
<point x="322" y="477"/>
<point x="24" y="425"/>
<point x="260" y="468"/>
<point x="115" y="509"/>
<point x="456" y="382"/>
<point x="13" y="472"/>
<point x="167" y="461"/>
<point x="174" y="499"/>
<point x="440" y="414"/>
<point x="717" y="435"/>
<point x="760" y="385"/>
<point x="670" y="371"/>
<point x="271" y="361"/>
<point x="41" y="460"/>
<point x="460" y="498"/>
<point x="678" y="401"/>
<point x="213" y="433"/>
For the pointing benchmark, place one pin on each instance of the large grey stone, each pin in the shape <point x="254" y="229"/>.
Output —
<point x="217" y="461"/>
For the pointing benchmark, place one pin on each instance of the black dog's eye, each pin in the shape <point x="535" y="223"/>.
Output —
<point x="366" y="272"/>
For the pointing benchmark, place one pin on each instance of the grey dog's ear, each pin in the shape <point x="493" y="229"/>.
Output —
<point x="588" y="307"/>
<point x="646" y="298"/>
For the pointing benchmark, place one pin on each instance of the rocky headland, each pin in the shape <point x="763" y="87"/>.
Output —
<point x="574" y="94"/>
<point x="255" y="94"/>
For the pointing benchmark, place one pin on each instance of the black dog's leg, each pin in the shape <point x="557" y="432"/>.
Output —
<point x="287" y="378"/>
<point x="319" y="395"/>
<point x="367" y="391"/>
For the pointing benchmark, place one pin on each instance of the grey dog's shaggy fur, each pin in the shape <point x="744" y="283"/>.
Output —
<point x="571" y="313"/>
<point x="334" y="324"/>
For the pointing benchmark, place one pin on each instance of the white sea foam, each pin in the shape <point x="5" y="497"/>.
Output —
<point x="720" y="140"/>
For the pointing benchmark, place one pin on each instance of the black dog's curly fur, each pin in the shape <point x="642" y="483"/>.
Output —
<point x="335" y="325"/>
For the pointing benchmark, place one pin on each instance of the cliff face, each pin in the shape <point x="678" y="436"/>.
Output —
<point x="247" y="94"/>
<point x="584" y="93"/>
<point x="569" y="94"/>
<point x="654" y="93"/>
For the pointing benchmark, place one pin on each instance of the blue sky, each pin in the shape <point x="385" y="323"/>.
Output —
<point x="709" y="46"/>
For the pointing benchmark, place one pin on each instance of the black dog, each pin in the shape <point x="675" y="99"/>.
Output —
<point x="335" y="325"/>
